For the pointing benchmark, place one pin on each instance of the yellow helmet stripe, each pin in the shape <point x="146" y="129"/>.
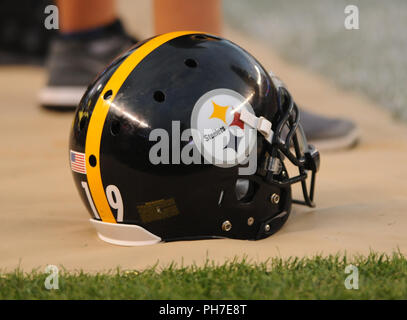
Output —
<point x="97" y="121"/>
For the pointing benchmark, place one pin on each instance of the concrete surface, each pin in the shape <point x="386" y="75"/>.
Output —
<point x="361" y="193"/>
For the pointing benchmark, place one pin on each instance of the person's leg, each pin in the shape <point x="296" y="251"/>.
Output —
<point x="80" y="15"/>
<point x="176" y="15"/>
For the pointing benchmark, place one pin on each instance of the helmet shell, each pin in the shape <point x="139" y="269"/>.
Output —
<point x="173" y="201"/>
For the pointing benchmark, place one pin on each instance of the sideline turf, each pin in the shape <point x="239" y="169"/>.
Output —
<point x="380" y="277"/>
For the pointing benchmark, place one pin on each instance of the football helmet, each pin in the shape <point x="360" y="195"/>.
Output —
<point x="161" y="140"/>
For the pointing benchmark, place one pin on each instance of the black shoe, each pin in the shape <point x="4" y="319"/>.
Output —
<point x="74" y="62"/>
<point x="329" y="133"/>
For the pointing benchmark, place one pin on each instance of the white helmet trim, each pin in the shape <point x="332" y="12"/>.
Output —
<point x="124" y="234"/>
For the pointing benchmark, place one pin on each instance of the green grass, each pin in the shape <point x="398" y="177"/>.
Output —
<point x="380" y="277"/>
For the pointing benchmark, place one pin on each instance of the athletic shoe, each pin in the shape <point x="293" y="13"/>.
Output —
<point x="75" y="61"/>
<point x="329" y="133"/>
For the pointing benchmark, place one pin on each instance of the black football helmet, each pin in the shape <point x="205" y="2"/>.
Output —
<point x="161" y="140"/>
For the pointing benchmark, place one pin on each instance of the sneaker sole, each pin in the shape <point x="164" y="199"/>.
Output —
<point x="61" y="98"/>
<point x="345" y="142"/>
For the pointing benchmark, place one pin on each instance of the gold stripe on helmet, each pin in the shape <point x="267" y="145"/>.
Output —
<point x="97" y="121"/>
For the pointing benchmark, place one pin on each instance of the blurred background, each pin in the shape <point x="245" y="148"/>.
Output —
<point x="311" y="33"/>
<point x="372" y="59"/>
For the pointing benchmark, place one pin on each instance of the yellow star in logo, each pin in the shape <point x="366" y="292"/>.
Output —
<point x="219" y="112"/>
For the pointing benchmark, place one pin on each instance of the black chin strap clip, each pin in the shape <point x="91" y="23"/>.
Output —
<point x="272" y="225"/>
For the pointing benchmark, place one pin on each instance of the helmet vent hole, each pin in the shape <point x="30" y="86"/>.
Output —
<point x="108" y="94"/>
<point x="200" y="36"/>
<point x="191" y="63"/>
<point x="92" y="160"/>
<point x="159" y="96"/>
<point x="115" y="127"/>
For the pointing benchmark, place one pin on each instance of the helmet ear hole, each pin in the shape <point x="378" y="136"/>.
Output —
<point x="245" y="190"/>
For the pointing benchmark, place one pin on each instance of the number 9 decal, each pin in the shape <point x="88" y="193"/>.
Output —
<point x="113" y="197"/>
<point x="115" y="200"/>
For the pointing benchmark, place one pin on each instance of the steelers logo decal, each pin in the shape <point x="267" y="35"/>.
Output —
<point x="219" y="134"/>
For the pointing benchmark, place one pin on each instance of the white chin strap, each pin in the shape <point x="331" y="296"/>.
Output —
<point x="261" y="124"/>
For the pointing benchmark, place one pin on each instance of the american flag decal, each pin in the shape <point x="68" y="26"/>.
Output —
<point x="78" y="162"/>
